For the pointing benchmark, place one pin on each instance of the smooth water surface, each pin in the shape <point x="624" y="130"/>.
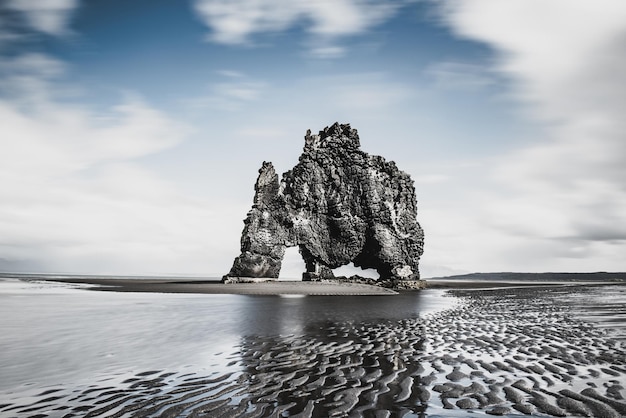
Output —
<point x="604" y="306"/>
<point x="57" y="333"/>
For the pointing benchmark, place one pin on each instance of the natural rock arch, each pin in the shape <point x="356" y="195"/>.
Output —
<point x="338" y="205"/>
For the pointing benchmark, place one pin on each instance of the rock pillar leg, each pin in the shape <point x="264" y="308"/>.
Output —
<point x="314" y="269"/>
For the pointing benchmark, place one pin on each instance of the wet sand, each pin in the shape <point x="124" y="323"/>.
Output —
<point x="281" y="287"/>
<point x="278" y="287"/>
<point x="506" y="352"/>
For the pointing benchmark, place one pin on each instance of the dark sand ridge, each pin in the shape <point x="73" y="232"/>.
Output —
<point x="501" y="352"/>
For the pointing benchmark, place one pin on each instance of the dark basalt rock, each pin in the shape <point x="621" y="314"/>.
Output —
<point x="338" y="205"/>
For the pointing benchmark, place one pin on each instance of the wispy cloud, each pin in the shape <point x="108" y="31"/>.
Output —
<point x="231" y="93"/>
<point x="74" y="196"/>
<point x="327" y="51"/>
<point x="51" y="17"/>
<point x="235" y="22"/>
<point x="565" y="63"/>
<point x="460" y="75"/>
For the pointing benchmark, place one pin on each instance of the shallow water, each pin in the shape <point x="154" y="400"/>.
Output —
<point x="58" y="333"/>
<point x="67" y="351"/>
<point x="604" y="306"/>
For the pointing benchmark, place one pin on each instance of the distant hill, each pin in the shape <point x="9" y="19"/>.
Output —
<point x="543" y="277"/>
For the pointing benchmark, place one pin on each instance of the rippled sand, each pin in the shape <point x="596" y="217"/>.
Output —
<point x="500" y="352"/>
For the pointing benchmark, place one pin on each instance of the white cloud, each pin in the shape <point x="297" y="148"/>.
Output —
<point x="235" y="92"/>
<point x="47" y="16"/>
<point x="234" y="22"/>
<point x="327" y="52"/>
<point x="33" y="64"/>
<point x="548" y="48"/>
<point x="345" y="17"/>
<point x="242" y="91"/>
<point x="563" y="199"/>
<point x="75" y="197"/>
<point x="33" y="112"/>
<point x="26" y="79"/>
<point x="231" y="74"/>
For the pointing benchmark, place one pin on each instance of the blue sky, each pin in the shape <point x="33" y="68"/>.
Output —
<point x="133" y="130"/>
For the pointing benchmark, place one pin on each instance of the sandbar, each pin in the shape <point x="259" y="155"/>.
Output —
<point x="279" y="287"/>
<point x="287" y="287"/>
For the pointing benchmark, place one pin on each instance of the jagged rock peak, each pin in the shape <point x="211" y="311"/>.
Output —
<point x="339" y="205"/>
<point x="266" y="185"/>
<point x="335" y="136"/>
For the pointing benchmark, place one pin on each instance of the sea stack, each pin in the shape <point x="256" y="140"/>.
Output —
<point x="339" y="205"/>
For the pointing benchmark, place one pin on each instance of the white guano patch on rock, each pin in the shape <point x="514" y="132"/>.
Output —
<point x="404" y="271"/>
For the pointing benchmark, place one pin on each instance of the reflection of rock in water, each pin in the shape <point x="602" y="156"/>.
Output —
<point x="502" y="352"/>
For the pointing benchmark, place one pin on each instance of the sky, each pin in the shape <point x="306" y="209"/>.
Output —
<point x="132" y="131"/>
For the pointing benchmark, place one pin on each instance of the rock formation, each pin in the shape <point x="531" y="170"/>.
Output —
<point x="338" y="205"/>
